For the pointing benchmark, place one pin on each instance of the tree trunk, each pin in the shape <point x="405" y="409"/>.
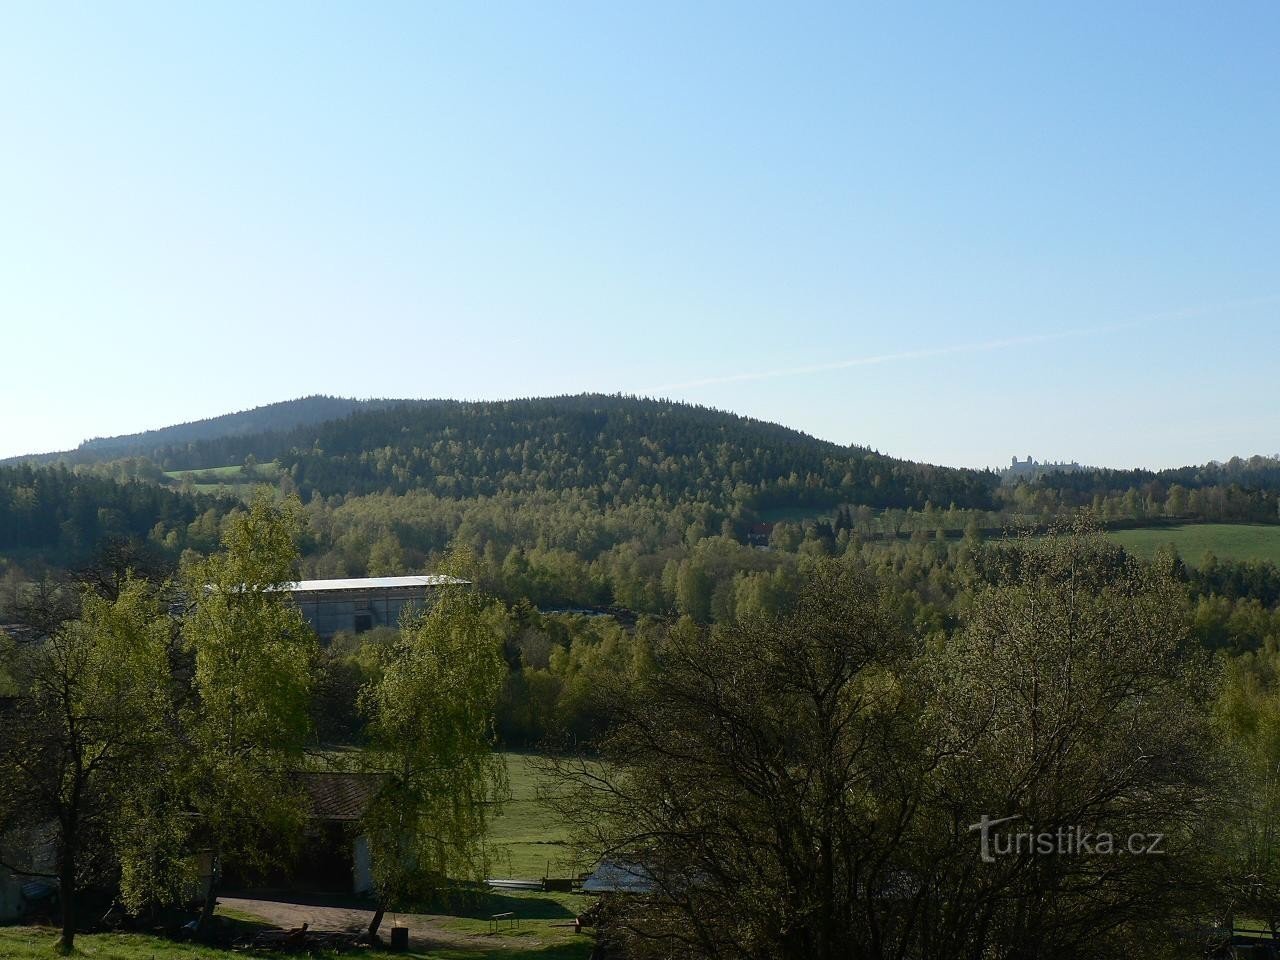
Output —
<point x="376" y="922"/>
<point x="67" y="894"/>
<point x="210" y="896"/>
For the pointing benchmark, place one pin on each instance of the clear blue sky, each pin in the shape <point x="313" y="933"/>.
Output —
<point x="954" y="233"/>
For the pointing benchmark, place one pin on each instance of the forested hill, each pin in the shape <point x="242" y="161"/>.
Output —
<point x="266" y="426"/>
<point x="617" y="449"/>
<point x="63" y="516"/>
<point x="612" y="449"/>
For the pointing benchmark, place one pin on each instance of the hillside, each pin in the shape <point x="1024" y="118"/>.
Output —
<point x="587" y="500"/>
<point x="262" y="422"/>
<point x="618" y="448"/>
<point x="64" y="516"/>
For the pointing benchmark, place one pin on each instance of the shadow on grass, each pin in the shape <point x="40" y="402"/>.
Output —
<point x="576" y="950"/>
<point x="480" y="903"/>
<point x="468" y="901"/>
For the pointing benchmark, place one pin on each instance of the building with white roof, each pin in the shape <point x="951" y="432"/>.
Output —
<point x="358" y="604"/>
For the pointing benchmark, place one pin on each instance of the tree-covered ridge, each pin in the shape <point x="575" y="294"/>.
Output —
<point x="65" y="514"/>
<point x="274" y="419"/>
<point x="619" y="449"/>
<point x="1254" y="473"/>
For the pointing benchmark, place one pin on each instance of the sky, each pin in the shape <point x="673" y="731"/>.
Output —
<point x="952" y="232"/>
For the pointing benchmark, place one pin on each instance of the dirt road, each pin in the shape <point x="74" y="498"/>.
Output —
<point x="425" y="931"/>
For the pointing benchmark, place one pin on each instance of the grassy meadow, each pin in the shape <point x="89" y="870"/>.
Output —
<point x="228" y="479"/>
<point x="1228" y="541"/>
<point x="528" y="841"/>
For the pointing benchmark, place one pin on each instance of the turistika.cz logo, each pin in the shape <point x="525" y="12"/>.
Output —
<point x="1064" y="841"/>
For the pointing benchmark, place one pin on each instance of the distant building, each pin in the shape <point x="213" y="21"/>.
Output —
<point x="1029" y="469"/>
<point x="359" y="604"/>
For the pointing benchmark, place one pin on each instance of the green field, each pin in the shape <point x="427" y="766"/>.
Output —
<point x="527" y="839"/>
<point x="1228" y="541"/>
<point x="229" y="479"/>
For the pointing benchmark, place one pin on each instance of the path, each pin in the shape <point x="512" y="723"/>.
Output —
<point x="426" y="931"/>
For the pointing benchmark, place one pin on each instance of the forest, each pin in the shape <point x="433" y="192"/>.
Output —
<point x="609" y="543"/>
<point x="630" y="512"/>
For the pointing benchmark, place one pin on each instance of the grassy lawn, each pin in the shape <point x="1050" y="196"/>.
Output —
<point x="36" y="943"/>
<point x="527" y="839"/>
<point x="29" y="943"/>
<point x="1228" y="541"/>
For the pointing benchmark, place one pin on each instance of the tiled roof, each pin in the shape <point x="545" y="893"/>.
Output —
<point x="340" y="796"/>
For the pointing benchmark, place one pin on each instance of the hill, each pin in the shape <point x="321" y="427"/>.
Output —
<point x="265" y="421"/>
<point x="596" y="479"/>
<point x="618" y="448"/>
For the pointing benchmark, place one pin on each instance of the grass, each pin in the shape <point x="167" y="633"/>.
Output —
<point x="229" y="479"/>
<point x="578" y="949"/>
<point x="1228" y="541"/>
<point x="540" y="936"/>
<point x="37" y="943"/>
<point x="528" y="840"/>
<point x="230" y="473"/>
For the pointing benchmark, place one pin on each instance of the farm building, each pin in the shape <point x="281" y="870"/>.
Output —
<point x="334" y="856"/>
<point x="359" y="604"/>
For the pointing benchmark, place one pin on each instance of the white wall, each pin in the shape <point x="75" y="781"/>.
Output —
<point x="362" y="866"/>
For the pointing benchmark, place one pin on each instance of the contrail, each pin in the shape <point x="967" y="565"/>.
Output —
<point x="979" y="347"/>
<point x="882" y="358"/>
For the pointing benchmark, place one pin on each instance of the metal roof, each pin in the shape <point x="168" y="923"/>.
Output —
<point x="372" y="583"/>
<point x="615" y="876"/>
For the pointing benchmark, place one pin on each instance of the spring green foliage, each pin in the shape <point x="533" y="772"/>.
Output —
<point x="594" y="500"/>
<point x="252" y="654"/>
<point x="431" y="736"/>
<point x="801" y="785"/>
<point x="1249" y="715"/>
<point x="88" y="724"/>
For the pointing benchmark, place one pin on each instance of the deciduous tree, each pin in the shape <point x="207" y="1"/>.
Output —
<point x="253" y="655"/>
<point x="89" y="719"/>
<point x="431" y="737"/>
